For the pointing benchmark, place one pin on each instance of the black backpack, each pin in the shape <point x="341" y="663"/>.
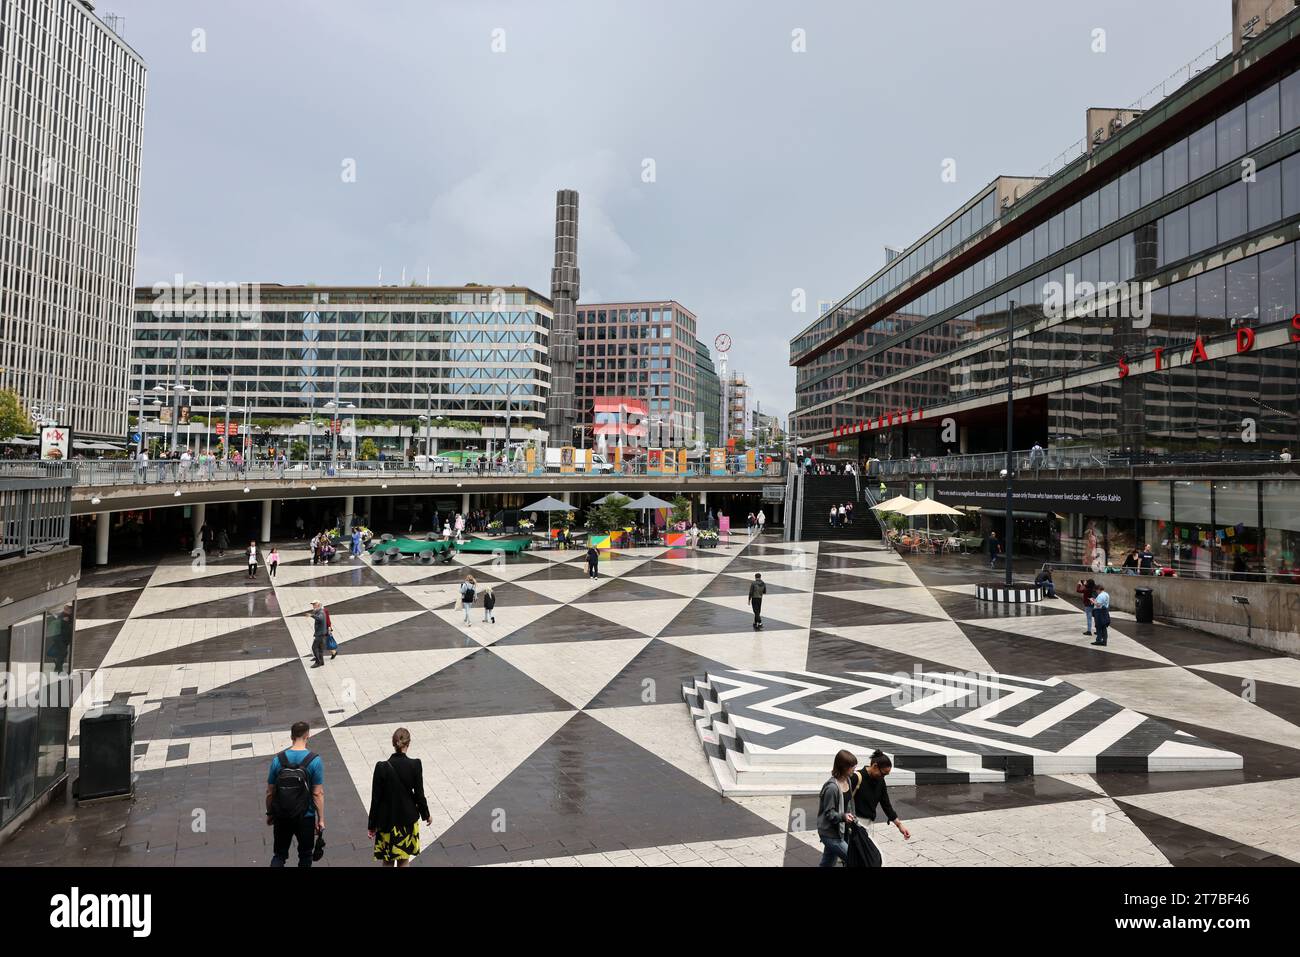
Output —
<point x="467" y="593"/>
<point x="292" y="796"/>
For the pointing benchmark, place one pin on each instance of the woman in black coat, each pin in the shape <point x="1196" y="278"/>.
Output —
<point x="397" y="804"/>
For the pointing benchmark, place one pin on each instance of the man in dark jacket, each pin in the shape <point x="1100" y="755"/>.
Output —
<point x="756" y="592"/>
<point x="320" y="631"/>
<point x="593" y="561"/>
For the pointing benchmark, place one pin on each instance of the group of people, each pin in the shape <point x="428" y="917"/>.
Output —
<point x="295" y="802"/>
<point x="1096" y="609"/>
<point x="850" y="796"/>
<point x="813" y="466"/>
<point x="841" y="515"/>
<point x="469" y="590"/>
<point x="756" y="522"/>
<point x="1141" y="562"/>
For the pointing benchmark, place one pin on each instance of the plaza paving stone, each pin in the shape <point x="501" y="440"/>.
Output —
<point x="556" y="736"/>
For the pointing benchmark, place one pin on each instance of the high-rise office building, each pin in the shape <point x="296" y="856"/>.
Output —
<point x="561" y="411"/>
<point x="71" y="120"/>
<point x="708" y="396"/>
<point x="643" y="351"/>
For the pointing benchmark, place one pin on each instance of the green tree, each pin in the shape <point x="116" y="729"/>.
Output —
<point x="611" y="515"/>
<point x="681" y="510"/>
<point x="298" y="451"/>
<point x="367" y="451"/>
<point x="14" y="419"/>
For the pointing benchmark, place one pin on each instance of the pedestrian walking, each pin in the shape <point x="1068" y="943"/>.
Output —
<point x="835" y="517"/>
<point x="467" y="589"/>
<point x="1088" y="589"/>
<point x="870" y="790"/>
<point x="1101" y="615"/>
<point x="295" y="800"/>
<point x="762" y="520"/>
<point x="319" y="635"/>
<point x="356" y="542"/>
<point x="273" y="562"/>
<point x="397" y="803"/>
<point x="833" y="810"/>
<point x="995" y="549"/>
<point x="593" y="561"/>
<point x="489" y="605"/>
<point x="223" y="542"/>
<point x="252" y="560"/>
<point x="844" y="517"/>
<point x="757" y="589"/>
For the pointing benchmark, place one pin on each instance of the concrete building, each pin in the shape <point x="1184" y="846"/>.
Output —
<point x="386" y="354"/>
<point x="71" y="119"/>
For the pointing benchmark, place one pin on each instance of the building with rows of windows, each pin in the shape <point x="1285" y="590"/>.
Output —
<point x="379" y="357"/>
<point x="646" y="351"/>
<point x="72" y="98"/>
<point x="1151" y="289"/>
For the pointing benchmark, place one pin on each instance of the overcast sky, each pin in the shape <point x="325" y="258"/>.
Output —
<point x="774" y="170"/>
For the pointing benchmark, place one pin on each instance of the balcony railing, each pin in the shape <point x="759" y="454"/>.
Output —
<point x="172" y="472"/>
<point x="1054" y="463"/>
<point x="35" y="512"/>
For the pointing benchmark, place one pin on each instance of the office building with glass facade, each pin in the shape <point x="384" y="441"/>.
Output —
<point x="1152" y="287"/>
<point x="708" y="396"/>
<point x="470" y="354"/>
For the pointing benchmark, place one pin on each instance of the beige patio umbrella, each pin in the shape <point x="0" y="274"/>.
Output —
<point x="895" y="504"/>
<point x="927" y="507"/>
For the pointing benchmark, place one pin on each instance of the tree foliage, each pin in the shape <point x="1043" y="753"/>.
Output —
<point x="367" y="451"/>
<point x="14" y="419"/>
<point x="610" y="515"/>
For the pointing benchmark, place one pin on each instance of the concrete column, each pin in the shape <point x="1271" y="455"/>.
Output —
<point x="101" y="538"/>
<point x="348" y="519"/>
<point x="567" y="498"/>
<point x="704" y="500"/>
<point x="464" y="503"/>
<point x="390" y="507"/>
<point x="266" y="520"/>
<point x="198" y="514"/>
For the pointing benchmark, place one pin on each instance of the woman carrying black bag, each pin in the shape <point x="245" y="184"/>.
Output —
<point x="869" y="790"/>
<point x="397" y="804"/>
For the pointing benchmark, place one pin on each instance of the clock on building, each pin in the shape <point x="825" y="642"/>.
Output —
<point x="722" y="343"/>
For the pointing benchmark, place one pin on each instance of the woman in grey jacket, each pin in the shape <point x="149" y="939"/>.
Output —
<point x="833" y="810"/>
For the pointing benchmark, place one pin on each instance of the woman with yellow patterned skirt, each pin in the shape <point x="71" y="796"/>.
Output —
<point x="397" y="804"/>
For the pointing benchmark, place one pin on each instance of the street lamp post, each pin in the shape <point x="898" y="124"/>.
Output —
<point x="1011" y="405"/>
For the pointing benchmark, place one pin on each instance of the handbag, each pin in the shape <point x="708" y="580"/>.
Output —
<point x="862" y="850"/>
<point x="330" y="643"/>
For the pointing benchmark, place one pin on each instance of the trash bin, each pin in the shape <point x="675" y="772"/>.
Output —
<point x="1144" y="605"/>
<point x="107" y="747"/>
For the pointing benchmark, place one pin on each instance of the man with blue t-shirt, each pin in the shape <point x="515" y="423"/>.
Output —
<point x="295" y="798"/>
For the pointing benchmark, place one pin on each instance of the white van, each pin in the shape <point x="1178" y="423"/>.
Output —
<point x="598" y="462"/>
<point x="437" y="463"/>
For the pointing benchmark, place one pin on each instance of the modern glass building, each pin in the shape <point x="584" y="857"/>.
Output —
<point x="71" y="119"/>
<point x="708" y="396"/>
<point x="1151" y="285"/>
<point x="472" y="354"/>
